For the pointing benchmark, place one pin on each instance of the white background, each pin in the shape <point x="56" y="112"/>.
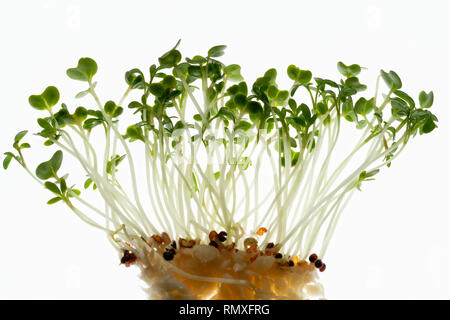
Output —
<point x="393" y="240"/>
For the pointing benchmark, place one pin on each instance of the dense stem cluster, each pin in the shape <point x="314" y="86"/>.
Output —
<point x="208" y="151"/>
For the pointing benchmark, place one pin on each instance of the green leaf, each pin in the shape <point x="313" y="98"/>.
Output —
<point x="87" y="183"/>
<point x="428" y="126"/>
<point x="354" y="83"/>
<point x="304" y="76"/>
<point x="77" y="192"/>
<point x="91" y="123"/>
<point x="84" y="93"/>
<point x="244" y="163"/>
<point x="292" y="105"/>
<point x="54" y="200"/>
<point x="242" y="87"/>
<point x="395" y="79"/>
<point x="197" y="60"/>
<point x="56" y="160"/>
<point x="399" y="107"/>
<point x="19" y="136"/>
<point x="361" y="124"/>
<point x="293" y="72"/>
<point x="391" y="79"/>
<point x="80" y="114"/>
<point x="254" y="108"/>
<point x="322" y="107"/>
<point x="369" y="106"/>
<point x="46" y="100"/>
<point x="243" y="125"/>
<point x="7" y="160"/>
<point x="112" y="109"/>
<point x="135" y="79"/>
<point x="348" y="71"/>
<point x="387" y="79"/>
<point x="359" y="106"/>
<point x="135" y="105"/>
<point x="270" y="125"/>
<point x="44" y="171"/>
<point x="272" y="91"/>
<point x="48" y="169"/>
<point x="306" y="113"/>
<point x="347" y="110"/>
<point x="426" y="99"/>
<point x="298" y="123"/>
<point x="135" y="133"/>
<point x="393" y="131"/>
<point x="270" y="75"/>
<point x="214" y="71"/>
<point x="52" y="187"/>
<point x="295" y="158"/>
<point x="365" y="176"/>
<point x="157" y="89"/>
<point x="323" y="82"/>
<point x="224" y="112"/>
<point x="170" y="59"/>
<point x="370" y="173"/>
<point x="169" y="82"/>
<point x="43" y="122"/>
<point x="117" y="112"/>
<point x="233" y="72"/>
<point x="282" y="97"/>
<point x="51" y="96"/>
<point x="24" y="145"/>
<point x="240" y="100"/>
<point x="234" y="89"/>
<point x="216" y="51"/>
<point x="363" y="106"/>
<point x="219" y="86"/>
<point x="423" y="120"/>
<point x="63" y="185"/>
<point x="113" y="163"/>
<point x="84" y="71"/>
<point x="294" y="88"/>
<point x="63" y="117"/>
<point x="110" y="106"/>
<point x="195" y="71"/>
<point x="406" y="97"/>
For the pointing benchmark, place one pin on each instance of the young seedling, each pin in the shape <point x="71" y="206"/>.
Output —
<point x="227" y="190"/>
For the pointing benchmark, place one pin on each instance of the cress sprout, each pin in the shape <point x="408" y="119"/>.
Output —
<point x="208" y="151"/>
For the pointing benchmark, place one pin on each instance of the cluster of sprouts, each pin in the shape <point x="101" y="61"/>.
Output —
<point x="205" y="150"/>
